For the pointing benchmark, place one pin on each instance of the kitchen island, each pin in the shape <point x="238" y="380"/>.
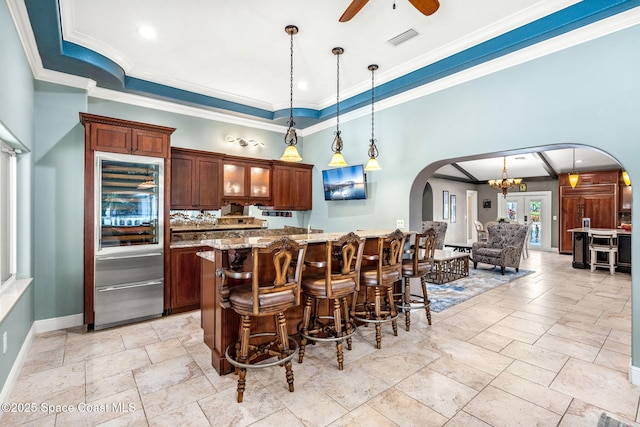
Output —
<point x="221" y="325"/>
<point x="581" y="257"/>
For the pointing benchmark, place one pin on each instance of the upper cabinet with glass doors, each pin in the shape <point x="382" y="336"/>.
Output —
<point x="246" y="182"/>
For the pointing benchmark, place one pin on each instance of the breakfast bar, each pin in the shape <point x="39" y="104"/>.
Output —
<point x="581" y="257"/>
<point x="221" y="325"/>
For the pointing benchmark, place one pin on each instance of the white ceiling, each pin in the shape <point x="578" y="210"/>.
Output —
<point x="239" y="51"/>
<point x="531" y="165"/>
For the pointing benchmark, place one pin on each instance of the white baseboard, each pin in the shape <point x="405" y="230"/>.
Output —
<point x="17" y="366"/>
<point x="56" y="323"/>
<point x="634" y="374"/>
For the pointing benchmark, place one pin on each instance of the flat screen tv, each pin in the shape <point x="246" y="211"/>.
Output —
<point x="347" y="183"/>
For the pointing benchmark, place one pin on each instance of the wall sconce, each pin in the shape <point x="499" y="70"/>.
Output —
<point x="243" y="142"/>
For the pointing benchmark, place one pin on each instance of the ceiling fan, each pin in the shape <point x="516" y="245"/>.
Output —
<point x="426" y="7"/>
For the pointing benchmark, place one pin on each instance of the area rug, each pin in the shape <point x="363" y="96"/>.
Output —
<point x="480" y="280"/>
<point x="607" y="421"/>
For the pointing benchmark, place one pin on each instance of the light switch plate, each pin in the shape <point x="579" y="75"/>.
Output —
<point x="400" y="223"/>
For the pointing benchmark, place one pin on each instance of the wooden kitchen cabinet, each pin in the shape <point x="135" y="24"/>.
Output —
<point x="292" y="187"/>
<point x="195" y="180"/>
<point x="126" y="137"/>
<point x="185" y="286"/>
<point x="595" y="197"/>
<point x="246" y="182"/>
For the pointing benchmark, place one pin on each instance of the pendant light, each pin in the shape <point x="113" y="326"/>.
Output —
<point x="372" y="163"/>
<point x="626" y="179"/>
<point x="290" y="138"/>
<point x="337" y="159"/>
<point x="573" y="175"/>
<point x="504" y="183"/>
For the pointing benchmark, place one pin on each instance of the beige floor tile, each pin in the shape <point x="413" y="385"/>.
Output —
<point x="613" y="360"/>
<point x="110" y="408"/>
<point x="536" y="356"/>
<point x="115" y="363"/>
<point x="496" y="359"/>
<point x="462" y="373"/>
<point x="365" y="412"/>
<point x="176" y="396"/>
<point x="440" y="393"/>
<point x="599" y="386"/>
<point x="532" y="392"/>
<point x="532" y="373"/>
<point x="499" y="408"/>
<point x="490" y="341"/>
<point x="165" y="374"/>
<point x="404" y="410"/>
<point x="462" y="419"/>
<point x="569" y="347"/>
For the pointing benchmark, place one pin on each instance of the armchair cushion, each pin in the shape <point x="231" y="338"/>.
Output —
<point x="441" y="230"/>
<point x="503" y="246"/>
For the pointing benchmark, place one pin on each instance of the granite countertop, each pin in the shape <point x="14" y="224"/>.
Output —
<point x="586" y="230"/>
<point x="248" y="242"/>
<point x="212" y="227"/>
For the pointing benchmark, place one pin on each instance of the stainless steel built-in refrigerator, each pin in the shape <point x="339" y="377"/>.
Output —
<point x="129" y="261"/>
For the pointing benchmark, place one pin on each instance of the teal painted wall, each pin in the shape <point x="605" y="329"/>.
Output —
<point x="16" y="113"/>
<point x="588" y="94"/>
<point x="59" y="200"/>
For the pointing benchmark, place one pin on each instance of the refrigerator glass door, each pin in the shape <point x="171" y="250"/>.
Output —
<point x="129" y="203"/>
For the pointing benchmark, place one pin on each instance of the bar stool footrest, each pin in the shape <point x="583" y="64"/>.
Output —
<point x="263" y="364"/>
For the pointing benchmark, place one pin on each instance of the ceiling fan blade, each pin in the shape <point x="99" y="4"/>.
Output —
<point x="426" y="7"/>
<point x="351" y="11"/>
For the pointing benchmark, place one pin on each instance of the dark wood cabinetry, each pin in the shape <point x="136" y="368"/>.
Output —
<point x="595" y="197"/>
<point x="121" y="136"/>
<point x="292" y="187"/>
<point x="111" y="135"/>
<point x="185" y="281"/>
<point x="195" y="180"/>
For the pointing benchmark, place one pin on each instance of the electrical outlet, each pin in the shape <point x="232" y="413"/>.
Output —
<point x="4" y="342"/>
<point x="400" y="223"/>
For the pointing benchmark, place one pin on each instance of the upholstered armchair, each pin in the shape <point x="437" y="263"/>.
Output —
<point x="503" y="246"/>
<point x="440" y="228"/>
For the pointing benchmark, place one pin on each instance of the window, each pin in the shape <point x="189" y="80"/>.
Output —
<point x="7" y="215"/>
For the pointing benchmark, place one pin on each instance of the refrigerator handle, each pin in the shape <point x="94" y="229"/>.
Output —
<point x="139" y="285"/>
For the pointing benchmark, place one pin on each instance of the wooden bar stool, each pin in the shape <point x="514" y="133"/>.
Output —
<point x="605" y="242"/>
<point x="378" y="274"/>
<point x="269" y="289"/>
<point x="417" y="266"/>
<point x="334" y="278"/>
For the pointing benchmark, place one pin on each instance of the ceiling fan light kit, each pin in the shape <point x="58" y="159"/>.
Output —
<point x="426" y="7"/>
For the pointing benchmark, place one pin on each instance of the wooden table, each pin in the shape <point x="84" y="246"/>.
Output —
<point x="221" y="325"/>
<point x="459" y="247"/>
<point x="448" y="266"/>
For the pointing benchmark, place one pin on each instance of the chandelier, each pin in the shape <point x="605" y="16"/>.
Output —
<point x="291" y="139"/>
<point x="505" y="183"/>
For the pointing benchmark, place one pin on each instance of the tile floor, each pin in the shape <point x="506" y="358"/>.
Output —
<point x="552" y="348"/>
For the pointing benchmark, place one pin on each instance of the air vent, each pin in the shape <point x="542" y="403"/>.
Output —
<point x="403" y="37"/>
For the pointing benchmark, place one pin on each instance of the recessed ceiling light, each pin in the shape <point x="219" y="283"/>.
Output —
<point x="303" y="85"/>
<point x="147" y="32"/>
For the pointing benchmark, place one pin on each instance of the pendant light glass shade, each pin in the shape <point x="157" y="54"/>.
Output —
<point x="573" y="175"/>
<point x="291" y="138"/>
<point x="372" y="163"/>
<point x="291" y="154"/>
<point x="626" y="179"/>
<point x="338" y="159"/>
